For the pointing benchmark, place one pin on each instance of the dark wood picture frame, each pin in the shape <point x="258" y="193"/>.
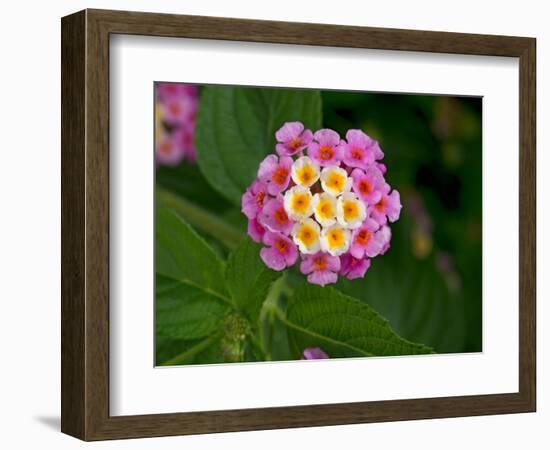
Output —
<point x="85" y="224"/>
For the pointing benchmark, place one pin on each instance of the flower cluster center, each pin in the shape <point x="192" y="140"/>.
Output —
<point x="329" y="207"/>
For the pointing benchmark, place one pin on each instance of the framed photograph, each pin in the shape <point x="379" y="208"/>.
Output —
<point x="272" y="225"/>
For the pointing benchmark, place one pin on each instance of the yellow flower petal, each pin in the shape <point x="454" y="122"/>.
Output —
<point x="335" y="240"/>
<point x="335" y="180"/>
<point x="297" y="202"/>
<point x="306" y="236"/>
<point x="351" y="212"/>
<point x="324" y="208"/>
<point x="305" y="171"/>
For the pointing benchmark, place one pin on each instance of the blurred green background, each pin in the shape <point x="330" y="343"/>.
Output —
<point x="428" y="285"/>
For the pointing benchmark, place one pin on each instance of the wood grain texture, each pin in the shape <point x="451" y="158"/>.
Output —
<point x="85" y="224"/>
<point x="73" y="108"/>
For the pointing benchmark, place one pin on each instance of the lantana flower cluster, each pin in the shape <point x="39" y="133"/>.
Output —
<point x="323" y="201"/>
<point x="175" y="112"/>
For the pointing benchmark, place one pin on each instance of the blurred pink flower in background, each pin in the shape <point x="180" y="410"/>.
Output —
<point x="175" y="111"/>
<point x="314" y="353"/>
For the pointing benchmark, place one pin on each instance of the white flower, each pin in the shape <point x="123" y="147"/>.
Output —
<point x="306" y="236"/>
<point x="335" y="240"/>
<point x="297" y="203"/>
<point x="350" y="211"/>
<point x="305" y="171"/>
<point x="335" y="180"/>
<point x="324" y="208"/>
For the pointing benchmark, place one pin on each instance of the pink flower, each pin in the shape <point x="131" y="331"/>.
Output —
<point x="179" y="110"/>
<point x="365" y="241"/>
<point x="325" y="150"/>
<point x="275" y="172"/>
<point x="381" y="167"/>
<point x="388" y="207"/>
<point x="169" y="90"/>
<point x="360" y="150"/>
<point x="281" y="252"/>
<point x="253" y="199"/>
<point x="255" y="230"/>
<point x="168" y="151"/>
<point x="274" y="217"/>
<point x="300" y="210"/>
<point x="292" y="138"/>
<point x="176" y="107"/>
<point x="320" y="268"/>
<point x="385" y="236"/>
<point x="185" y="139"/>
<point x="314" y="353"/>
<point x="368" y="185"/>
<point x="353" y="268"/>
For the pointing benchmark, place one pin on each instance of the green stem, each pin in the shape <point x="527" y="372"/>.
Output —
<point x="269" y="308"/>
<point x="182" y="357"/>
<point x="200" y="218"/>
<point x="277" y="288"/>
<point x="257" y="345"/>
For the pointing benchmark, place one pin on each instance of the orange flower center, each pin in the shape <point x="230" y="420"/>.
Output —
<point x="175" y="108"/>
<point x="280" y="175"/>
<point x="305" y="174"/>
<point x="326" y="152"/>
<point x="326" y="209"/>
<point x="280" y="216"/>
<point x="363" y="237"/>
<point x="260" y="196"/>
<point x="336" y="181"/>
<point x="320" y="263"/>
<point x="356" y="153"/>
<point x="281" y="246"/>
<point x="300" y="202"/>
<point x="381" y="205"/>
<point x="166" y="147"/>
<point x="336" y="239"/>
<point x="349" y="210"/>
<point x="365" y="187"/>
<point x="295" y="143"/>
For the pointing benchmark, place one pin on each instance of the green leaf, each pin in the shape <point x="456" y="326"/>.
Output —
<point x="248" y="279"/>
<point x="185" y="312"/>
<point x="342" y="326"/>
<point x="188" y="321"/>
<point x="236" y="129"/>
<point x="209" y="223"/>
<point x="191" y="297"/>
<point x="412" y="295"/>
<point x="187" y="181"/>
<point x="182" y="255"/>
<point x="171" y="351"/>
